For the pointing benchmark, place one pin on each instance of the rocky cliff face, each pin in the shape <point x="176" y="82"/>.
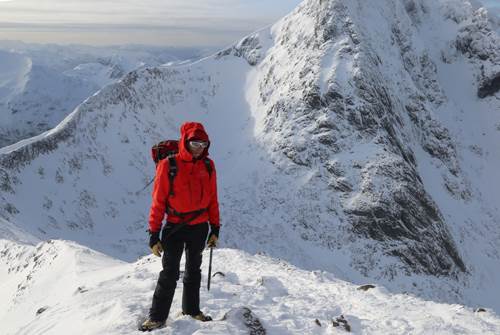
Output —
<point x="335" y="133"/>
<point x="353" y="108"/>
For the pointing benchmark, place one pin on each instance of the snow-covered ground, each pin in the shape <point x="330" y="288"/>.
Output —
<point x="58" y="287"/>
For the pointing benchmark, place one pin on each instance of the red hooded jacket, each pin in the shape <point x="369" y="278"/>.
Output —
<point x="194" y="188"/>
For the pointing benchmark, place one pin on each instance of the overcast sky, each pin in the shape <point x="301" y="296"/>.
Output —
<point x="156" y="22"/>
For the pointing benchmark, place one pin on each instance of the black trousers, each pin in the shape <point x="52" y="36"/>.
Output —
<point x="192" y="238"/>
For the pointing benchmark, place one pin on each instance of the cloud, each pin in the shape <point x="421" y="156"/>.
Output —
<point x="127" y="11"/>
<point x="214" y="21"/>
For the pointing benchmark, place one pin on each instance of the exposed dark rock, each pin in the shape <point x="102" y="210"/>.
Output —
<point x="21" y="157"/>
<point x="489" y="86"/>
<point x="41" y="310"/>
<point x="477" y="40"/>
<point x="249" y="48"/>
<point x="81" y="289"/>
<point x="249" y="320"/>
<point x="341" y="321"/>
<point x="366" y="287"/>
<point x="408" y="215"/>
<point x="313" y="100"/>
<point x="341" y="185"/>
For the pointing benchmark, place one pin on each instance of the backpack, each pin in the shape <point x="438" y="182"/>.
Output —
<point x="164" y="149"/>
<point x="168" y="149"/>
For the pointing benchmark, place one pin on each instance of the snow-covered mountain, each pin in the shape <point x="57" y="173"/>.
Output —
<point x="355" y="137"/>
<point x="40" y="85"/>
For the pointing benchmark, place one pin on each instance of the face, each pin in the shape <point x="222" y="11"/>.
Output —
<point x="197" y="147"/>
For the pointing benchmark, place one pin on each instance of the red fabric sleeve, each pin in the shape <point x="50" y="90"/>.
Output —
<point x="160" y="195"/>
<point x="213" y="206"/>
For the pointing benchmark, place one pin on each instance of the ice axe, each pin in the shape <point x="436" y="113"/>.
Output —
<point x="210" y="268"/>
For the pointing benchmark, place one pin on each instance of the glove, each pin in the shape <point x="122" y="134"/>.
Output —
<point x="212" y="241"/>
<point x="213" y="237"/>
<point x="154" y="243"/>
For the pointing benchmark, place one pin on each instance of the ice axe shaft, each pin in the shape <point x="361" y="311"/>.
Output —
<point x="210" y="269"/>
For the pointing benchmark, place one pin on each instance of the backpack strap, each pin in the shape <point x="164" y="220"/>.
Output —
<point x="208" y="166"/>
<point x="172" y="172"/>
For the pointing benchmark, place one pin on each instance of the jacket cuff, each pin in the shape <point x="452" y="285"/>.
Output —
<point x="214" y="230"/>
<point x="154" y="237"/>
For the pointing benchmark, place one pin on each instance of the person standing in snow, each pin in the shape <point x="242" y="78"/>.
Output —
<point x="192" y="199"/>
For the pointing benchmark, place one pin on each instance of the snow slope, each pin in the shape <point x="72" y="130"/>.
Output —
<point x="40" y="85"/>
<point x="13" y="70"/>
<point x="64" y="286"/>
<point x="352" y="137"/>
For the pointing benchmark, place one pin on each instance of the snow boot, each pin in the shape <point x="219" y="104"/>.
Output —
<point x="201" y="317"/>
<point x="150" y="325"/>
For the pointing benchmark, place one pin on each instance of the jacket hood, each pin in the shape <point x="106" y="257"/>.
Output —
<point x="192" y="131"/>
